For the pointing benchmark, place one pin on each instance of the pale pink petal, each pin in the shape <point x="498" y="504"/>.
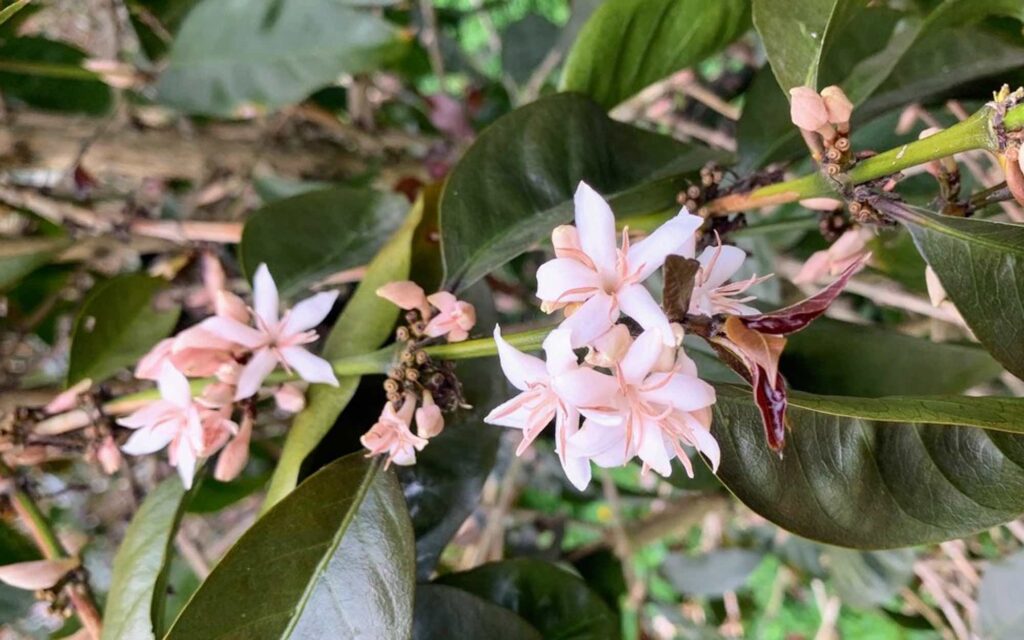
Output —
<point x="520" y="369"/>
<point x="290" y="398"/>
<point x="264" y="295"/>
<point x="647" y="256"/>
<point x="310" y="368"/>
<point x="151" y="413"/>
<point x="566" y="241"/>
<point x="608" y="349"/>
<point x="228" y="305"/>
<point x="592" y="319"/>
<point x="403" y="455"/>
<point x="36" y="574"/>
<point x="595" y="224"/>
<point x="821" y="204"/>
<point x="254" y="372"/>
<point x="174" y="386"/>
<point x="594" y="439"/>
<point x="588" y="389"/>
<point x="404" y="294"/>
<point x="637" y="302"/>
<point x="851" y="244"/>
<point x="510" y="413"/>
<point x="707" y="445"/>
<point x="652" y="449"/>
<point x="150" y="439"/>
<point x="444" y="301"/>
<point x="578" y="471"/>
<point x="559" y="353"/>
<point x="235" y="455"/>
<point x="728" y="262"/>
<point x="465" y="315"/>
<point x="457" y="335"/>
<point x="815" y="269"/>
<point x="186" y="462"/>
<point x="309" y="313"/>
<point x="642" y="356"/>
<point x="234" y="331"/>
<point x="150" y="365"/>
<point x="440" y="325"/>
<point x="405" y="415"/>
<point x="429" y="421"/>
<point x="566" y="280"/>
<point x="686" y="393"/>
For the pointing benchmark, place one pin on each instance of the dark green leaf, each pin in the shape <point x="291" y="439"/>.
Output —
<point x="212" y="496"/>
<point x="269" y="53"/>
<point x="839" y="358"/>
<point x="489" y="214"/>
<point x="20" y="257"/>
<point x="331" y="560"/>
<point x="365" y="323"/>
<point x="557" y="603"/>
<point x="795" y="32"/>
<point x="447" y="612"/>
<point x="629" y="44"/>
<point x="525" y="43"/>
<point x="310" y="236"/>
<point x="135" y="603"/>
<point x="981" y="266"/>
<point x="868" y="579"/>
<point x="712" y="573"/>
<point x="47" y="74"/>
<point x="117" y="325"/>
<point x="156" y="21"/>
<point x="1000" y="615"/>
<point x="871" y="481"/>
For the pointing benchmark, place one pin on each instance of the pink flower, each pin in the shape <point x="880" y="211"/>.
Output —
<point x="558" y="389"/>
<point x="658" y="413"/>
<point x="601" y="280"/>
<point x="276" y="340"/>
<point x="391" y="434"/>
<point x="235" y="455"/>
<point x="108" y="455"/>
<point x="807" y="109"/>
<point x="67" y="400"/>
<point x="429" y="421"/>
<point x="173" y="420"/>
<point x="851" y="247"/>
<point x="711" y="293"/>
<point x="290" y="398"/>
<point x="837" y="104"/>
<point x="455" y="319"/>
<point x="407" y="295"/>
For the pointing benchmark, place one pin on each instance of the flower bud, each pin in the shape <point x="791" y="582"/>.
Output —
<point x="235" y="455"/>
<point x="821" y="204"/>
<point x="429" y="421"/>
<point x="109" y="456"/>
<point x="807" y="109"/>
<point x="37" y="574"/>
<point x="609" y="348"/>
<point x="289" y="398"/>
<point x="837" y="105"/>
<point x="566" y="240"/>
<point x="405" y="294"/>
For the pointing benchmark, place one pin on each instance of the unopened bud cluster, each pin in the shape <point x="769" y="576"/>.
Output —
<point x="827" y="115"/>
<point x="415" y="372"/>
<point x="711" y="176"/>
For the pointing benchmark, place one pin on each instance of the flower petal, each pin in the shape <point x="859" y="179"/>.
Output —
<point x="566" y="280"/>
<point x="404" y="294"/>
<point x="637" y="303"/>
<point x="264" y="295"/>
<point x="233" y="331"/>
<point x="647" y="256"/>
<point x="445" y="301"/>
<point x="186" y="462"/>
<point x="174" y="386"/>
<point x="586" y="388"/>
<point x="520" y="369"/>
<point x="309" y="313"/>
<point x="728" y="262"/>
<point x="150" y="439"/>
<point x="558" y="349"/>
<point x="254" y="372"/>
<point x="148" y="368"/>
<point x="310" y="368"/>
<point x="652" y="449"/>
<point x="578" y="471"/>
<point x="706" y="444"/>
<point x="592" y="319"/>
<point x="149" y="414"/>
<point x="510" y="413"/>
<point x="686" y="393"/>
<point x="642" y="356"/>
<point x="595" y="224"/>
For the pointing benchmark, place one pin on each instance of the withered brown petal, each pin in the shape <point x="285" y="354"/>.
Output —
<point x="680" y="274"/>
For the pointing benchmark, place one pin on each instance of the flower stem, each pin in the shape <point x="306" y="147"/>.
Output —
<point x="46" y="540"/>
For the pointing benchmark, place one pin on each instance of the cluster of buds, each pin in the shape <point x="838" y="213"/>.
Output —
<point x="693" y="199"/>
<point x="416" y="379"/>
<point x="824" y="121"/>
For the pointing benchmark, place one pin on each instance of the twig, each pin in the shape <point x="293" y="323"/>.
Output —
<point x="189" y="230"/>
<point x="931" y="582"/>
<point x="494" y="530"/>
<point x="915" y="602"/>
<point x="428" y="35"/>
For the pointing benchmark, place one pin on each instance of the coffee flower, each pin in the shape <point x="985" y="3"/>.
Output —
<point x="850" y="248"/>
<point x="712" y="291"/>
<point x="599" y="280"/>
<point x="392" y="434"/>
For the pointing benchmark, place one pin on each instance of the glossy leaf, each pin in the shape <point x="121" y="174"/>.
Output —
<point x="117" y="325"/>
<point x="333" y="559"/>
<point x="308" y="237"/>
<point x="489" y="214"/>
<point x="872" y="473"/>
<point x="629" y="44"/>
<point x="135" y="602"/>
<point x="795" y="33"/>
<point x="557" y="603"/>
<point x="981" y="266"/>
<point x="1000" y="615"/>
<point x="711" y="573"/>
<point x="448" y="612"/>
<point x="46" y="74"/>
<point x="839" y="358"/>
<point x="20" y="257"/>
<point x="230" y="56"/>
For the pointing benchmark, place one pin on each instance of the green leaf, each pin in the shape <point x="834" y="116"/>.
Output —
<point x="555" y="602"/>
<point x="712" y="573"/>
<point x="47" y="74"/>
<point x="489" y="214"/>
<point x="839" y="358"/>
<point x="8" y="12"/>
<point x="145" y="15"/>
<point x="872" y="473"/>
<point x="135" y="603"/>
<point x="331" y="560"/>
<point x="313" y="235"/>
<point x="981" y="266"/>
<point x="868" y="579"/>
<point x="447" y="612"/>
<point x="1000" y="615"/>
<point x="795" y="32"/>
<point x="18" y="258"/>
<point x="117" y="325"/>
<point x="630" y="44"/>
<point x="525" y="43"/>
<point x="365" y="323"/>
<point x="268" y="53"/>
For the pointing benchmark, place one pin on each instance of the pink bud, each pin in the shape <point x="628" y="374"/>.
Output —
<point x="290" y="398"/>
<point x="233" y="458"/>
<point x="807" y="109"/>
<point x="610" y="347"/>
<point x="405" y="294"/>
<point x="37" y="574"/>
<point x="231" y="306"/>
<point x="837" y="104"/>
<point x="429" y="421"/>
<point x="67" y="400"/>
<point x="152" y="363"/>
<point x="821" y="204"/>
<point x="109" y="456"/>
<point x="566" y="240"/>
